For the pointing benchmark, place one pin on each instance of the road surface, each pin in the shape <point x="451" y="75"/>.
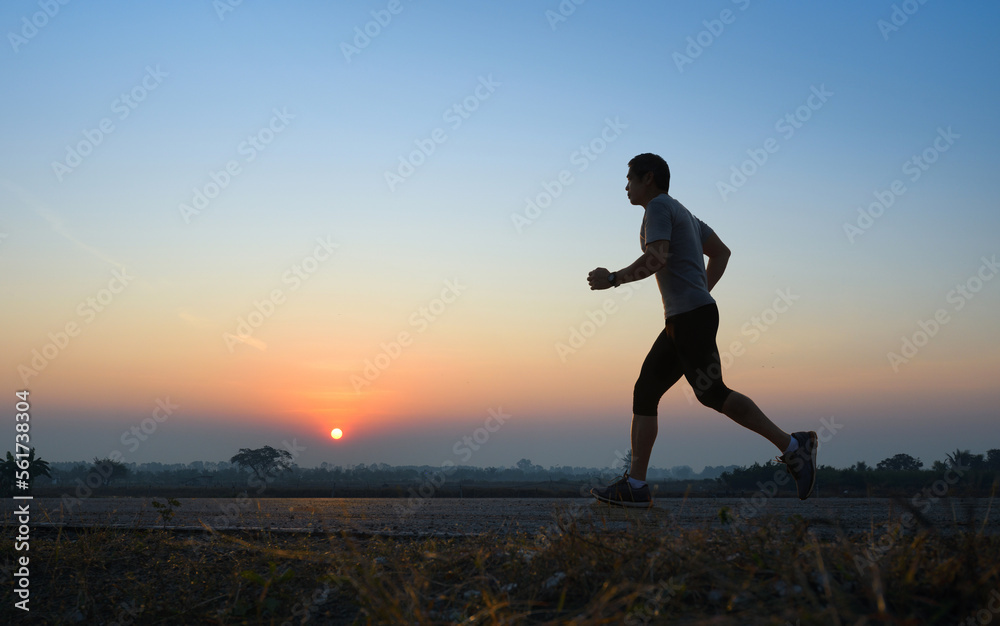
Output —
<point x="473" y="516"/>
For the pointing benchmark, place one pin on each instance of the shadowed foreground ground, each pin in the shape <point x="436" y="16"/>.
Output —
<point x="828" y="561"/>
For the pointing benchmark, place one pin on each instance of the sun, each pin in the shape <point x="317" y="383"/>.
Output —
<point x="336" y="433"/>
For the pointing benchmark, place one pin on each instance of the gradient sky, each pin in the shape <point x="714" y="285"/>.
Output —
<point x="119" y="114"/>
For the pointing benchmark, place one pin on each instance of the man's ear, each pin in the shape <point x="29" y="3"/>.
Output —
<point x="648" y="178"/>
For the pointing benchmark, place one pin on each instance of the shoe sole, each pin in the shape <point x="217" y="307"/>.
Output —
<point x="623" y="503"/>
<point x="814" y="444"/>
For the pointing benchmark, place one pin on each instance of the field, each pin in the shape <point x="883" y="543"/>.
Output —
<point x="576" y="562"/>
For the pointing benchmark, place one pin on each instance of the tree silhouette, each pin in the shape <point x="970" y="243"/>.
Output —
<point x="682" y="472"/>
<point x="9" y="468"/>
<point x="903" y="462"/>
<point x="108" y="469"/>
<point x="993" y="459"/>
<point x="960" y="458"/>
<point x="263" y="462"/>
<point x="526" y="466"/>
<point x="861" y="466"/>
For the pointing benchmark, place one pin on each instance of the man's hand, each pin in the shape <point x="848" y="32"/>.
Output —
<point x="598" y="279"/>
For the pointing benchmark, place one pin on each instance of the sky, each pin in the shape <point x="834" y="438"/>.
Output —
<point x="227" y="224"/>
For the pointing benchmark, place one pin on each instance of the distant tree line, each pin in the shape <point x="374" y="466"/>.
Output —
<point x="270" y="466"/>
<point x="901" y="475"/>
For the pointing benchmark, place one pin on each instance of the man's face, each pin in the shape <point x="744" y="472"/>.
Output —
<point x="638" y="188"/>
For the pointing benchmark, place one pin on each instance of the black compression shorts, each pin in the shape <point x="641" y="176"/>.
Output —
<point x="686" y="346"/>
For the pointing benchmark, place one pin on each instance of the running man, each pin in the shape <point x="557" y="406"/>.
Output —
<point x="674" y="243"/>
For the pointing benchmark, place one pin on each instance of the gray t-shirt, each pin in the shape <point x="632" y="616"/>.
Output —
<point x="682" y="282"/>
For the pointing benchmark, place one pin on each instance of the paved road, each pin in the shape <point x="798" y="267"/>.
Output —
<point x="448" y="516"/>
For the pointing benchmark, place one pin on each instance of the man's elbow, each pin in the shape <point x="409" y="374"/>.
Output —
<point x="721" y="253"/>
<point x="715" y="249"/>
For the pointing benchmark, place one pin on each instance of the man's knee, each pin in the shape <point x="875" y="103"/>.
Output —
<point x="641" y="406"/>
<point x="645" y="399"/>
<point x="714" y="397"/>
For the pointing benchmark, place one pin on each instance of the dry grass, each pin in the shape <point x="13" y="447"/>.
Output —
<point x="773" y="572"/>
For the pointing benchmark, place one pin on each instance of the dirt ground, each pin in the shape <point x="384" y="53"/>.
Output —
<point x="455" y="517"/>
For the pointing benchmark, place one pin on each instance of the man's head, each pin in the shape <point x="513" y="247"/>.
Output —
<point x="648" y="176"/>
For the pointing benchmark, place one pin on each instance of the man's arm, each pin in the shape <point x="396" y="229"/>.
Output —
<point x="718" y="257"/>
<point x="651" y="261"/>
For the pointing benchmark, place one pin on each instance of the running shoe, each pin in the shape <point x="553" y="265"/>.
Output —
<point x="621" y="493"/>
<point x="801" y="462"/>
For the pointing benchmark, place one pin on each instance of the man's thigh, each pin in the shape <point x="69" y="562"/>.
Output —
<point x="698" y="353"/>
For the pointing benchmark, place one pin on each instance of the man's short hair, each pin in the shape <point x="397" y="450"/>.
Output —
<point x="647" y="162"/>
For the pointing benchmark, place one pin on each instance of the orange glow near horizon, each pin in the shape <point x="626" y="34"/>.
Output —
<point x="306" y="383"/>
